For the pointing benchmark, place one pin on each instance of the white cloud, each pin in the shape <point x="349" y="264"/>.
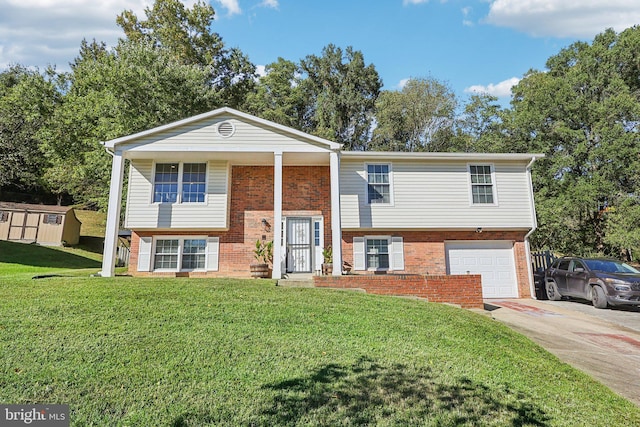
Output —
<point x="501" y="90"/>
<point x="406" y="2"/>
<point x="564" y="18"/>
<point x="270" y="3"/>
<point x="49" y="32"/>
<point x="261" y="70"/>
<point x="465" y="17"/>
<point x="402" y="83"/>
<point x="232" y="6"/>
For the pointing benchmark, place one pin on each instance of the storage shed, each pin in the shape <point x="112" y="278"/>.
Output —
<point x="42" y="224"/>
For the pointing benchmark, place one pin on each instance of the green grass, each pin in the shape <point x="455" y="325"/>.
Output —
<point x="181" y="352"/>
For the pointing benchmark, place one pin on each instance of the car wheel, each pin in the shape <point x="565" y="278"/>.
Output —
<point x="552" y="291"/>
<point x="598" y="297"/>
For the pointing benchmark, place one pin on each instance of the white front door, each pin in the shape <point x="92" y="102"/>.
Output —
<point x="299" y="245"/>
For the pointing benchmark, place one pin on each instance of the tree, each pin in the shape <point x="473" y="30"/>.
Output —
<point x="622" y="229"/>
<point x="185" y="34"/>
<point x="340" y="93"/>
<point x="584" y="115"/>
<point x="133" y="87"/>
<point x="419" y="117"/>
<point x="27" y="102"/>
<point x="481" y="128"/>
<point x="278" y="96"/>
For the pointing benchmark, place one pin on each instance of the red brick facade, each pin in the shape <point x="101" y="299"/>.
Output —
<point x="465" y="291"/>
<point x="425" y="253"/>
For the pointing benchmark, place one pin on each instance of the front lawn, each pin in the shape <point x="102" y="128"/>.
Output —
<point x="181" y="352"/>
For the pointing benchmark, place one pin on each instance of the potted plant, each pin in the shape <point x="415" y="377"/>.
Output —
<point x="263" y="253"/>
<point x="327" y="265"/>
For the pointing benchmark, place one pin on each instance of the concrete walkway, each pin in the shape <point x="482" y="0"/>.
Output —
<point x="608" y="351"/>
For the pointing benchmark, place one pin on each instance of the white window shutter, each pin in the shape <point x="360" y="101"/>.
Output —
<point x="144" y="254"/>
<point x="358" y="253"/>
<point x="397" y="253"/>
<point x="213" y="250"/>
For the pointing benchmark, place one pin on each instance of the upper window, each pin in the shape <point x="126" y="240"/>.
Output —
<point x="194" y="178"/>
<point x="482" y="190"/>
<point x="165" y="188"/>
<point x="189" y="177"/>
<point x="4" y="216"/>
<point x="378" y="183"/>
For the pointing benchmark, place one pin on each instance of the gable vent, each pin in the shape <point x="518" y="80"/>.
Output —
<point x="226" y="129"/>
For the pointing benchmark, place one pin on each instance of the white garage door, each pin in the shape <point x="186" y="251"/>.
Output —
<point x="492" y="260"/>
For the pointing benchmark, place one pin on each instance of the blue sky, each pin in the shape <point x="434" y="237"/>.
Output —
<point x="470" y="44"/>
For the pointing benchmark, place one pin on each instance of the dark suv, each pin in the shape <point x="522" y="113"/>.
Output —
<point x="603" y="281"/>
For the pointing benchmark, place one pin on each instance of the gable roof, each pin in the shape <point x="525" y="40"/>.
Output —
<point x="34" y="208"/>
<point x="111" y="144"/>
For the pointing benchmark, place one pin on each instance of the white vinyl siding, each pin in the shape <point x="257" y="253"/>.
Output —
<point x="378" y="253"/>
<point x="143" y="213"/>
<point x="434" y="194"/>
<point x="203" y="136"/>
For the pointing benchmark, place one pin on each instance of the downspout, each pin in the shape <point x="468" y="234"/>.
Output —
<point x="527" y="246"/>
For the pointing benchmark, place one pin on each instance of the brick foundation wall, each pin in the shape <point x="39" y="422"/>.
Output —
<point x="306" y="192"/>
<point x="425" y="252"/>
<point x="462" y="290"/>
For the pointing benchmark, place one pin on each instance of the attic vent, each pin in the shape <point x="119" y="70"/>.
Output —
<point x="226" y="129"/>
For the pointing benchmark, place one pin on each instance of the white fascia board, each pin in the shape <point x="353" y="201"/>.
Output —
<point x="396" y="155"/>
<point x="224" y="110"/>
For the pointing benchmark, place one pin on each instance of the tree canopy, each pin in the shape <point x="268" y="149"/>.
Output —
<point x="582" y="111"/>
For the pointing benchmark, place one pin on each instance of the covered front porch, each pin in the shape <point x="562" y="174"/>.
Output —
<point x="284" y="206"/>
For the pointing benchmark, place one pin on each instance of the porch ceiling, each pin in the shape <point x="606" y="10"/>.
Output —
<point x="238" y="158"/>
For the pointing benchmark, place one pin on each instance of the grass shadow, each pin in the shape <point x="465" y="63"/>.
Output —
<point x="42" y="256"/>
<point x="91" y="244"/>
<point x="369" y="393"/>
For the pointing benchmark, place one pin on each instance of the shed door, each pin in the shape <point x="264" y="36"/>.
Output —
<point x="24" y="226"/>
<point x="494" y="261"/>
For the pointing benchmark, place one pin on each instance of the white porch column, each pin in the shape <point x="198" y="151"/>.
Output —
<point x="336" y="225"/>
<point x="113" y="216"/>
<point x="277" y="216"/>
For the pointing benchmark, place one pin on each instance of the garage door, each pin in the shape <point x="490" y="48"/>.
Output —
<point x="492" y="260"/>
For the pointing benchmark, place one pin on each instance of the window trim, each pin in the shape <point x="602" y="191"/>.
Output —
<point x="366" y="180"/>
<point x="180" y="239"/>
<point x="494" y="189"/>
<point x="179" y="197"/>
<point x="57" y="219"/>
<point x="389" y="253"/>
<point x="395" y="245"/>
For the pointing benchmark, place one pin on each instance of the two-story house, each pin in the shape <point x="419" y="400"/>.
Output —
<point x="203" y="190"/>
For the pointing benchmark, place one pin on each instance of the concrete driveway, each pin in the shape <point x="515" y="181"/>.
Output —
<point x="603" y="343"/>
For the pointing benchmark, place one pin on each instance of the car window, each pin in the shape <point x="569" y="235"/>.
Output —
<point x="564" y="264"/>
<point x="577" y="264"/>
<point x="610" y="266"/>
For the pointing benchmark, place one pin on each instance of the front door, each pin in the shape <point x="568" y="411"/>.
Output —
<point x="299" y="245"/>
